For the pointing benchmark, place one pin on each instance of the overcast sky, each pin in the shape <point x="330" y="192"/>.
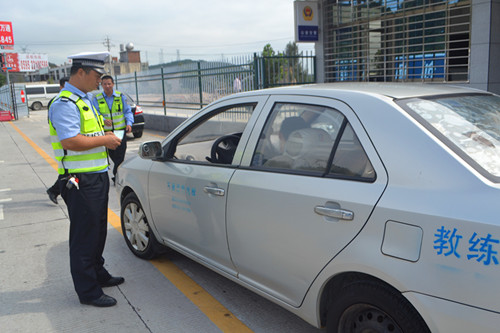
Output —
<point x="199" y="29"/>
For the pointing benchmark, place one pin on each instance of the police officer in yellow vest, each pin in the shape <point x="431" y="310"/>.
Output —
<point x="79" y="144"/>
<point x="113" y="106"/>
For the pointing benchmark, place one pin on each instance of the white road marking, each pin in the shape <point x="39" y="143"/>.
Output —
<point x="3" y="200"/>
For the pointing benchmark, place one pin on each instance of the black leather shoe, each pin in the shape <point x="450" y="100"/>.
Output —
<point x="101" y="302"/>
<point x="113" y="281"/>
<point x="52" y="196"/>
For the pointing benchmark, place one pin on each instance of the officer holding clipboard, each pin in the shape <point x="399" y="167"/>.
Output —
<point x="80" y="147"/>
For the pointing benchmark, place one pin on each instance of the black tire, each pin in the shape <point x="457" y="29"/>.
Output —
<point x="36" y="106"/>
<point x="136" y="230"/>
<point x="137" y="135"/>
<point x="371" y="306"/>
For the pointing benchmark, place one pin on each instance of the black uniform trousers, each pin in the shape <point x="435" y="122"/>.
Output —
<point x="88" y="214"/>
<point x="118" y="155"/>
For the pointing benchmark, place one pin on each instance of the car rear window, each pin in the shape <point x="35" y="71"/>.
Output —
<point x="468" y="124"/>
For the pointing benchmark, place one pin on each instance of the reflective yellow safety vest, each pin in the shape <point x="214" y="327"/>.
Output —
<point x="91" y="160"/>
<point x="115" y="115"/>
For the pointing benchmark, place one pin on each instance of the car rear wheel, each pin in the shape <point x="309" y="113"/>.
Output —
<point x="137" y="134"/>
<point x="36" y="106"/>
<point x="136" y="230"/>
<point x="372" y="307"/>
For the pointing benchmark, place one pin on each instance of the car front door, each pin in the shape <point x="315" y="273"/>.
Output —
<point x="307" y="184"/>
<point x="188" y="192"/>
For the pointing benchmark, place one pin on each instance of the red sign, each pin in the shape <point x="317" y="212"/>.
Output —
<point x="11" y="60"/>
<point x="6" y="34"/>
<point x="25" y="62"/>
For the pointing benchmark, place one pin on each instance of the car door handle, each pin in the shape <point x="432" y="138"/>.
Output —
<point x="337" y="213"/>
<point x="214" y="190"/>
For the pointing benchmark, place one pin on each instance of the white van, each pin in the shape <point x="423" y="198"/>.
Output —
<point x="39" y="96"/>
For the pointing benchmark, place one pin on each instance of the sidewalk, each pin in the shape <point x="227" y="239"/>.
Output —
<point x="36" y="289"/>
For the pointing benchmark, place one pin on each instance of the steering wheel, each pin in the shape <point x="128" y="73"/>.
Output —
<point x="223" y="149"/>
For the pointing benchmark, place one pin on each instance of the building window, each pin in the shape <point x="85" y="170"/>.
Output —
<point x="396" y="40"/>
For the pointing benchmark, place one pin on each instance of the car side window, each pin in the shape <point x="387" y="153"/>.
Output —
<point x="214" y="140"/>
<point x="298" y="137"/>
<point x="350" y="159"/>
<point x="312" y="139"/>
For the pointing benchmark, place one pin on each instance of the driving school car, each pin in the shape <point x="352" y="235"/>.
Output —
<point x="359" y="207"/>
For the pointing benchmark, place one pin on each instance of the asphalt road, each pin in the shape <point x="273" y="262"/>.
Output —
<point x="171" y="294"/>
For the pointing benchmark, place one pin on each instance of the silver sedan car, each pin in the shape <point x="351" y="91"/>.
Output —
<point x="359" y="207"/>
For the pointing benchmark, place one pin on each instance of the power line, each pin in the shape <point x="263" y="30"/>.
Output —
<point x="50" y="43"/>
<point x="218" y="46"/>
<point x="73" y="42"/>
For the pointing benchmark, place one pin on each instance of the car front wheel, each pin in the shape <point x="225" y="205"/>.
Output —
<point x="136" y="230"/>
<point x="371" y="306"/>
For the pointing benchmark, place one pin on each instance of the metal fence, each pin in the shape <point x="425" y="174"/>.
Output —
<point x="183" y="88"/>
<point x="192" y="85"/>
<point x="11" y="100"/>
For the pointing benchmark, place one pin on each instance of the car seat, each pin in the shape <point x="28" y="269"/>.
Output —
<point x="306" y="149"/>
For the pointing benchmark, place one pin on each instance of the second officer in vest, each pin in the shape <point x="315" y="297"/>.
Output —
<point x="113" y="107"/>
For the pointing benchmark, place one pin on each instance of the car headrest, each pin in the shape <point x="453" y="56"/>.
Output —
<point x="308" y="142"/>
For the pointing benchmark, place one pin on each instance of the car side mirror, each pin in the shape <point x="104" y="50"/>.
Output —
<point x="151" y="150"/>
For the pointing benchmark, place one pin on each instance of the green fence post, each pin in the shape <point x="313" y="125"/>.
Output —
<point x="199" y="85"/>
<point x="163" y="89"/>
<point x="264" y="74"/>
<point x="256" y="72"/>
<point x="136" y="88"/>
<point x="314" y="68"/>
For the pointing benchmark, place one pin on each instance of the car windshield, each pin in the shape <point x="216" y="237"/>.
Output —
<point x="470" y="123"/>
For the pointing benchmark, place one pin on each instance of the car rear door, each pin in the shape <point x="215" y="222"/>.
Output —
<point x="286" y="220"/>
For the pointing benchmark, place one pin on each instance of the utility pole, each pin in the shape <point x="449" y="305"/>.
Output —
<point x="108" y="44"/>
<point x="161" y="56"/>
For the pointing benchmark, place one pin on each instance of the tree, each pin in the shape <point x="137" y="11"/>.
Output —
<point x="292" y="49"/>
<point x="268" y="51"/>
<point x="271" y="66"/>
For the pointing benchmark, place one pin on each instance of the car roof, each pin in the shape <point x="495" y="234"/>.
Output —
<point x="391" y="90"/>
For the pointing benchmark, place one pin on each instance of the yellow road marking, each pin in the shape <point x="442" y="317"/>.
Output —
<point x="207" y="304"/>
<point x="39" y="150"/>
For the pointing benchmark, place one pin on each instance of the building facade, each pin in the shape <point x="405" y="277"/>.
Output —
<point x="452" y="41"/>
